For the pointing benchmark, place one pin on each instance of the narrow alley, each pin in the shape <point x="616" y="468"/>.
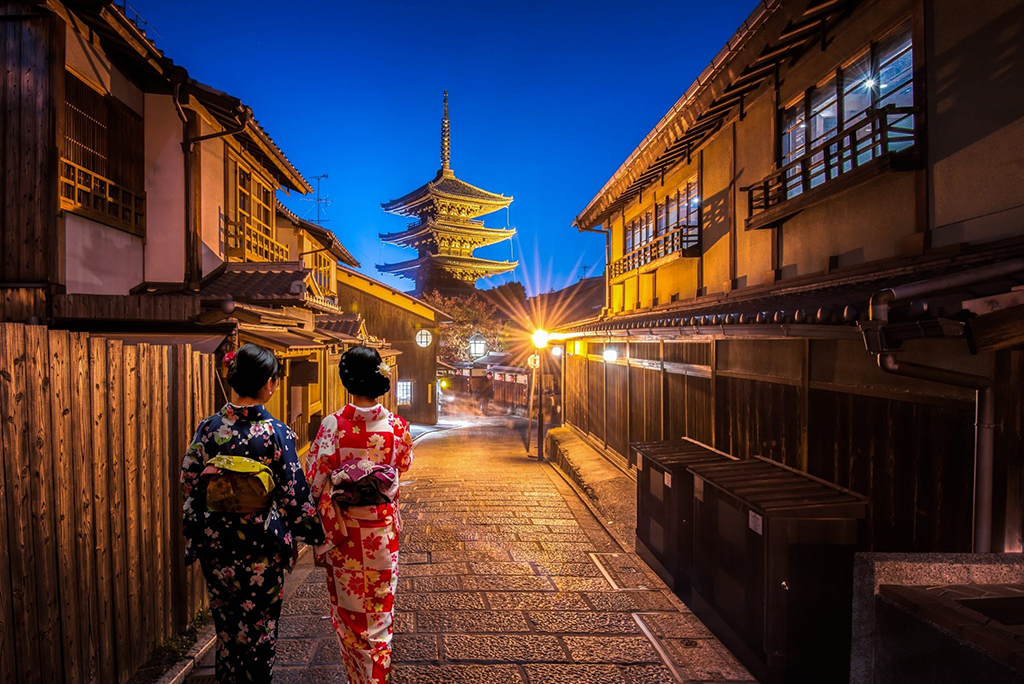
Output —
<point x="507" y="576"/>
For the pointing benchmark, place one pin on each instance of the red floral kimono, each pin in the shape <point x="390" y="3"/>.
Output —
<point x="361" y="551"/>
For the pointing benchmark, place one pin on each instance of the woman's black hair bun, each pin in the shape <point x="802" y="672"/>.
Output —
<point x="250" y="369"/>
<point x="360" y="370"/>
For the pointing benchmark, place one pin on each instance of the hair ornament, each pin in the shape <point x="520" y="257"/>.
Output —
<point x="229" y="359"/>
<point x="384" y="369"/>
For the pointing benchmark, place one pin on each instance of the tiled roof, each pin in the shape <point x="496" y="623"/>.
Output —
<point x="347" y="325"/>
<point x="447" y="185"/>
<point x="263" y="281"/>
<point x="841" y="300"/>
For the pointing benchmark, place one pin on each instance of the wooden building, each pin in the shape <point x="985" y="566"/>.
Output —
<point x="446" y="230"/>
<point x="140" y="205"/>
<point x="410" y="326"/>
<point x="816" y="257"/>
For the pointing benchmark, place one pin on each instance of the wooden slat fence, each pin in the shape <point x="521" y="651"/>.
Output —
<point x="93" y="432"/>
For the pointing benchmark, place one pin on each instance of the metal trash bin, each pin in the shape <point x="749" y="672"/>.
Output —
<point x="773" y="567"/>
<point x="664" y="505"/>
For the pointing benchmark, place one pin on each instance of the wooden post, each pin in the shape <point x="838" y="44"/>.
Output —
<point x="116" y="413"/>
<point x="132" y="504"/>
<point x="805" y="382"/>
<point x="664" y="385"/>
<point x="714" y="394"/>
<point x="101" y="458"/>
<point x="44" y="531"/>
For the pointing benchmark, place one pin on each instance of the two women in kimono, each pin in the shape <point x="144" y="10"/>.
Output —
<point x="247" y="503"/>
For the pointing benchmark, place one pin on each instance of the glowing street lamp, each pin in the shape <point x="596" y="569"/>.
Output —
<point x="610" y="355"/>
<point x="540" y="341"/>
<point x="556" y="351"/>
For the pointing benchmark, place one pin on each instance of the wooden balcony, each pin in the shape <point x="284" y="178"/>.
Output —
<point x="246" y="243"/>
<point x="93" y="196"/>
<point x="883" y="140"/>
<point x="675" y="240"/>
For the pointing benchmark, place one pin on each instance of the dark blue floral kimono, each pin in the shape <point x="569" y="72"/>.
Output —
<point x="244" y="555"/>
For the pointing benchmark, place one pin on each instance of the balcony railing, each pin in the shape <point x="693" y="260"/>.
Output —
<point x="328" y="303"/>
<point x="880" y="132"/>
<point x="93" y="196"/>
<point x="248" y="244"/>
<point x="671" y="242"/>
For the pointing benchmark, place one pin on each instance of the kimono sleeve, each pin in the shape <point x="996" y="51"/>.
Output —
<point x="292" y="491"/>
<point x="192" y="466"/>
<point x="403" y="445"/>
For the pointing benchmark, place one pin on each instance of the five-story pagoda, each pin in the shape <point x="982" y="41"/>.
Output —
<point x="447" y="229"/>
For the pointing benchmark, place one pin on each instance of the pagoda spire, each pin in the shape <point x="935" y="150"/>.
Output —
<point x="446" y="138"/>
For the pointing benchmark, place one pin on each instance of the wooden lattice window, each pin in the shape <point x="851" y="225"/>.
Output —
<point x="102" y="158"/>
<point x="251" y="234"/>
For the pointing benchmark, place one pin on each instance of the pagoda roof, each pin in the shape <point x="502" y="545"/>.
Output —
<point x="473" y="229"/>
<point x="446" y="186"/>
<point x="448" y="262"/>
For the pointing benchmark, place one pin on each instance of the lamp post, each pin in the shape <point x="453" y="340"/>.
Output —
<point x="540" y="341"/>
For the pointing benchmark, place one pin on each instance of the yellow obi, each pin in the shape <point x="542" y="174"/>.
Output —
<point x="236" y="484"/>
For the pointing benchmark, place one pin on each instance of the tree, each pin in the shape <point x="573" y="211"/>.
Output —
<point x="470" y="314"/>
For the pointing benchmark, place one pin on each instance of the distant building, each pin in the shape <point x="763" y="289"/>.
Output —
<point x="447" y="230"/>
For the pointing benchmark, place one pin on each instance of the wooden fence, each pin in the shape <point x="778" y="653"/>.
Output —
<point x="93" y="431"/>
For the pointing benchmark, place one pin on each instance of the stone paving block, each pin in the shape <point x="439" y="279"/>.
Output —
<point x="574" y="674"/>
<point x="503" y="546"/>
<point x="436" y="583"/>
<point x="295" y="651"/>
<point x="583" y="622"/>
<point x="629" y="600"/>
<point x="310" y="675"/>
<point x="611" y="649"/>
<point x="439" y="601"/>
<point x="494" y="568"/>
<point x="561" y="546"/>
<point x="471" y="621"/>
<point x="316" y="576"/>
<point x="304" y="626"/>
<point x="307" y="606"/>
<point x="555" y="537"/>
<point x="471" y="555"/>
<point x="706" y="659"/>
<point x="430" y="569"/>
<point x="412" y="557"/>
<point x="503" y="648"/>
<point x="676" y="625"/>
<point x="328" y="652"/>
<point x="582" y="584"/>
<point x="414" y="647"/>
<point x="312" y="591"/>
<point x="428" y="545"/>
<point x="524" y="600"/>
<point x="555" y="522"/>
<point x="404" y="623"/>
<point x="647" y="674"/>
<point x="506" y="583"/>
<point x="588" y="569"/>
<point x="455" y="674"/>
<point x="566" y="556"/>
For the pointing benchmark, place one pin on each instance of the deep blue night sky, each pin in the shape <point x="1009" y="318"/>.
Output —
<point x="546" y="100"/>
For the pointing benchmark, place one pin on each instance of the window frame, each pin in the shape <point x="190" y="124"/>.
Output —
<point x="404" y="392"/>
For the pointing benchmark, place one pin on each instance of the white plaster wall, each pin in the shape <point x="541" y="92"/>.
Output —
<point x="100" y="259"/>
<point x="93" y="65"/>
<point x="212" y="211"/>
<point x="165" y="192"/>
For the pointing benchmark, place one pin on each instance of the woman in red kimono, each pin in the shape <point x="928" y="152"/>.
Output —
<point x="362" y="440"/>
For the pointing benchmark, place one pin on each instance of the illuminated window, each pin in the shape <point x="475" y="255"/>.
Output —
<point x="827" y="131"/>
<point x="424" y="338"/>
<point x="251" y="234"/>
<point x="403" y="393"/>
<point x="477" y="346"/>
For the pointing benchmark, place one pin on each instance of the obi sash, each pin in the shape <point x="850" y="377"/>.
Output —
<point x="364" y="483"/>
<point x="236" y="484"/>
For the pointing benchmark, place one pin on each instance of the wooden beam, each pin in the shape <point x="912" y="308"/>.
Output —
<point x="997" y="330"/>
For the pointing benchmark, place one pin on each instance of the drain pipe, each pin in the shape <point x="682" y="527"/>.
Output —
<point x="984" y="434"/>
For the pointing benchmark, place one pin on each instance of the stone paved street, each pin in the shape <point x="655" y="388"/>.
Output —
<point x="507" y="576"/>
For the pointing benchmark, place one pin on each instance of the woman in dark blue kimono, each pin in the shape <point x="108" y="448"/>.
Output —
<point x="246" y="505"/>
